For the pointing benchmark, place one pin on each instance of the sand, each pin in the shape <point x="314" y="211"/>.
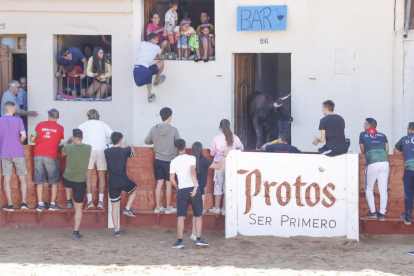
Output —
<point x="147" y="250"/>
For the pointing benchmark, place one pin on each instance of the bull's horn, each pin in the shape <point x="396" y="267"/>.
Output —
<point x="284" y="98"/>
<point x="277" y="105"/>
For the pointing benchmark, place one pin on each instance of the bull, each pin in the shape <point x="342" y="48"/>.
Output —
<point x="265" y="113"/>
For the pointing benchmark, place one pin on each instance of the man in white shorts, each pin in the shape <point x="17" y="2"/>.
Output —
<point x="95" y="133"/>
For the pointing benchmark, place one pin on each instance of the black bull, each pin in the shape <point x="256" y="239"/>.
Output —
<point x="265" y="115"/>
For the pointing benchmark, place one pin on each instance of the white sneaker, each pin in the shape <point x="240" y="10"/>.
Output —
<point x="193" y="237"/>
<point x="171" y="210"/>
<point x="214" y="210"/>
<point x="158" y="210"/>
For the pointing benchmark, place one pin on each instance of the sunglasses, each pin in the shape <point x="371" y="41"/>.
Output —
<point x="66" y="54"/>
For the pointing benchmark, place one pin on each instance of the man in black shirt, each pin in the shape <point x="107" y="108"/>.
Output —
<point x="332" y="129"/>
<point x="116" y="159"/>
<point x="282" y="145"/>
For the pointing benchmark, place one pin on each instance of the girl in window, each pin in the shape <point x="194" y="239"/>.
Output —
<point x="101" y="72"/>
<point x="157" y="28"/>
<point x="207" y="41"/>
<point x="183" y="34"/>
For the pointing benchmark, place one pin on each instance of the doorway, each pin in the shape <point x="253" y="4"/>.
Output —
<point x="268" y="73"/>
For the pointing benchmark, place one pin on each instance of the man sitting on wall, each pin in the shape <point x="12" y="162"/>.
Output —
<point x="332" y="128"/>
<point x="282" y="145"/>
<point x="72" y="56"/>
<point x="143" y="72"/>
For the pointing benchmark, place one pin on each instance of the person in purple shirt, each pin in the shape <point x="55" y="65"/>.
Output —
<point x="12" y="134"/>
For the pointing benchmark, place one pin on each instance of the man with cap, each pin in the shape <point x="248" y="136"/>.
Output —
<point x="47" y="136"/>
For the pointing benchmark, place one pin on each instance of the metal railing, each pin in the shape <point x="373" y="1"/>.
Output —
<point x="69" y="86"/>
<point x="194" y="52"/>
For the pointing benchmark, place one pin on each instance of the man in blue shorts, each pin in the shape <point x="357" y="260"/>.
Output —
<point x="143" y="71"/>
<point x="188" y="193"/>
<point x="375" y="147"/>
<point x="117" y="158"/>
<point x="406" y="146"/>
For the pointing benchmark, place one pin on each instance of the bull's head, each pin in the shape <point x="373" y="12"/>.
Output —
<point x="280" y="108"/>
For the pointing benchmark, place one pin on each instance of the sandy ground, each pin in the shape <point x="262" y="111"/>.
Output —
<point x="37" y="251"/>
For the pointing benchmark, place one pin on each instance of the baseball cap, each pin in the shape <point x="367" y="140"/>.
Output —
<point x="53" y="113"/>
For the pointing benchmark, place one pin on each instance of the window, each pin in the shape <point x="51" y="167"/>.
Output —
<point x="79" y="76"/>
<point x="177" y="46"/>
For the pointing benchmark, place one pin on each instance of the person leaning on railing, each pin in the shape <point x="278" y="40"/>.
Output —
<point x="101" y="72"/>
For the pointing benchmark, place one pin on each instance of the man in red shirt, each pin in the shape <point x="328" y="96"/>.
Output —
<point x="47" y="136"/>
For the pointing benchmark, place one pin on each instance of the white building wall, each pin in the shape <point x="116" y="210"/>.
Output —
<point x="202" y="94"/>
<point x="42" y="23"/>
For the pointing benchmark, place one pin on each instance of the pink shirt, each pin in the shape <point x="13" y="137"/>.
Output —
<point x="151" y="27"/>
<point x="219" y="146"/>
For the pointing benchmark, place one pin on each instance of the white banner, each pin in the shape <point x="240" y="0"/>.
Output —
<point x="284" y="195"/>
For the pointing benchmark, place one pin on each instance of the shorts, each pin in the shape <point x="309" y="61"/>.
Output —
<point x="171" y="38"/>
<point x="182" y="42"/>
<point x="78" y="188"/>
<point x="162" y="170"/>
<point x="202" y="188"/>
<point x="19" y="163"/>
<point x="46" y="170"/>
<point x="220" y="181"/>
<point x="98" y="158"/>
<point x="184" y="198"/>
<point x="143" y="75"/>
<point x="116" y="189"/>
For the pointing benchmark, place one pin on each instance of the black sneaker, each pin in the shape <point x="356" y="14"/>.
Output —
<point x="381" y="217"/>
<point x="40" y="208"/>
<point x="178" y="244"/>
<point x="76" y="236"/>
<point x="406" y="218"/>
<point x="411" y="253"/>
<point x="54" y="207"/>
<point x="24" y="206"/>
<point x="371" y="215"/>
<point x="69" y="204"/>
<point x="117" y="234"/>
<point x="201" y="242"/>
<point x="8" y="208"/>
<point x="128" y="213"/>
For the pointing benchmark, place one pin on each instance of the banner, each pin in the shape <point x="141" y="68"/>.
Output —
<point x="261" y="18"/>
<point x="284" y="195"/>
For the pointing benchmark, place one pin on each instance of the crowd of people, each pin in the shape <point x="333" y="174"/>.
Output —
<point x="175" y="37"/>
<point x="89" y="72"/>
<point x="88" y="147"/>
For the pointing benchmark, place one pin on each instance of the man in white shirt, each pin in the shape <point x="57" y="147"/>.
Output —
<point x="95" y="133"/>
<point x="188" y="193"/>
<point x="143" y="72"/>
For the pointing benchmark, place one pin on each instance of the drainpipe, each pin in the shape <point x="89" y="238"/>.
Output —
<point x="407" y="18"/>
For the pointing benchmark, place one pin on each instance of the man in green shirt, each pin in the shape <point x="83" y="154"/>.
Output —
<point x="74" y="177"/>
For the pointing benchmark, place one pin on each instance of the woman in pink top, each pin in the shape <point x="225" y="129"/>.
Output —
<point x="225" y="141"/>
<point x="157" y="28"/>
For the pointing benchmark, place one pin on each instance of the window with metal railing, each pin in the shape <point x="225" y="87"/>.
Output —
<point x="84" y="68"/>
<point x="168" y="19"/>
